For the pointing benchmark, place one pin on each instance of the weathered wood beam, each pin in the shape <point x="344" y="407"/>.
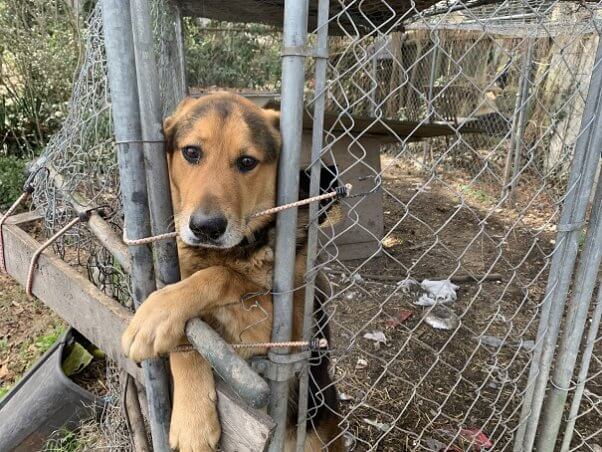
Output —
<point x="96" y="224"/>
<point x="102" y="320"/>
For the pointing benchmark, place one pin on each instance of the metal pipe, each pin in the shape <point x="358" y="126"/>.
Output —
<point x="291" y="124"/>
<point x="180" y="53"/>
<point x="222" y="357"/>
<point x="563" y="261"/>
<point x="583" y="289"/>
<point x="432" y="74"/>
<point x="233" y="369"/>
<point x="127" y="128"/>
<point x="588" y="351"/>
<point x="151" y="116"/>
<point x="519" y="125"/>
<point x="321" y="66"/>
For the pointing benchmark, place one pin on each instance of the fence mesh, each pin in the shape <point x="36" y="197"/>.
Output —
<point x="456" y="127"/>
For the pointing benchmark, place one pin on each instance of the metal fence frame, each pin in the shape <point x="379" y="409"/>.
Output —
<point x="137" y="122"/>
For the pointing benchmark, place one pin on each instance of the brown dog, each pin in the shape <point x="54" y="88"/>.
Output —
<point x="223" y="153"/>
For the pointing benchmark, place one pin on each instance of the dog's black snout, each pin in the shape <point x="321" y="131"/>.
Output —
<point x="208" y="227"/>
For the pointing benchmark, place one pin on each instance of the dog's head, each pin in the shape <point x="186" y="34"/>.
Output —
<point x="223" y="153"/>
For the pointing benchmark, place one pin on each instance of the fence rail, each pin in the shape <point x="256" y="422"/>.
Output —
<point x="463" y="269"/>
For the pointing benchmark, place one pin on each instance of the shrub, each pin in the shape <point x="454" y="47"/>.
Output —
<point x="12" y="178"/>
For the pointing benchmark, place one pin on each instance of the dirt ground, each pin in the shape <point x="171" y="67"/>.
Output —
<point x="27" y="330"/>
<point x="434" y="389"/>
<point x="424" y="388"/>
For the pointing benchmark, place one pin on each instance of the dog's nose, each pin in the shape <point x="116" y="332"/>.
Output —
<point x="205" y="227"/>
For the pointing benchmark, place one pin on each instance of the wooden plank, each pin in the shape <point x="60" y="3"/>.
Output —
<point x="23" y="218"/>
<point x="244" y="429"/>
<point x="74" y="298"/>
<point x="358" y="163"/>
<point x="102" y="320"/>
<point x="354" y="251"/>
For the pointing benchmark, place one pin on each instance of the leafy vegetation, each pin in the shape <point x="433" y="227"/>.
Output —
<point x="244" y="56"/>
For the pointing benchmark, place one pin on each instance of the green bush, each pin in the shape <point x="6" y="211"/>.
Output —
<point x="12" y="178"/>
<point x="40" y="45"/>
<point x="232" y="55"/>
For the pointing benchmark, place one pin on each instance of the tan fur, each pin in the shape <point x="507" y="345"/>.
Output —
<point x="215" y="282"/>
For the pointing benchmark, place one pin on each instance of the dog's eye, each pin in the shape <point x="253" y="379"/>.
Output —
<point x="246" y="163"/>
<point x="192" y="154"/>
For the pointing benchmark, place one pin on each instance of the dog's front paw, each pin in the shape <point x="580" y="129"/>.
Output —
<point x="156" y="328"/>
<point x="194" y="426"/>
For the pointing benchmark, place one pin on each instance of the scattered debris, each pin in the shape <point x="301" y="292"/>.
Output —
<point x="377" y="336"/>
<point x="490" y="341"/>
<point x="379" y="425"/>
<point x="350" y="441"/>
<point x="361" y="363"/>
<point x="496" y="342"/>
<point x="467" y="439"/>
<point x="401" y="317"/>
<point x="476" y="438"/>
<point x="436" y="446"/>
<point x="437" y="292"/>
<point x="529" y="345"/>
<point x="442" y="318"/>
<point x="344" y="397"/>
<point x="408" y="285"/>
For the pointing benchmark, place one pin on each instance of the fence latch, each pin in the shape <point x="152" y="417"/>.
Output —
<point x="280" y="367"/>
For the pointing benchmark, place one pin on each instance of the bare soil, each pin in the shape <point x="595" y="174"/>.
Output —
<point x="433" y="389"/>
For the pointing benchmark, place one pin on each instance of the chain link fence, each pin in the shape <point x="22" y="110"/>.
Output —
<point x="456" y="124"/>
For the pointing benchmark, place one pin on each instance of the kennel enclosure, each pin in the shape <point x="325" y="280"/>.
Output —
<point x="470" y="132"/>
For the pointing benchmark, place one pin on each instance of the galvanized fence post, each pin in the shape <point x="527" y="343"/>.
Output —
<point x="519" y="123"/>
<point x="126" y="120"/>
<point x="159" y="194"/>
<point x="588" y="351"/>
<point x="291" y="127"/>
<point x="583" y="289"/>
<point x="321" y="58"/>
<point x="518" y="131"/>
<point x="586" y="156"/>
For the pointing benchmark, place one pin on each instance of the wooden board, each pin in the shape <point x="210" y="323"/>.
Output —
<point x="102" y="320"/>
<point x="358" y="163"/>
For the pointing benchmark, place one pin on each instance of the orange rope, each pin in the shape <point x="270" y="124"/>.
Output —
<point x="170" y="235"/>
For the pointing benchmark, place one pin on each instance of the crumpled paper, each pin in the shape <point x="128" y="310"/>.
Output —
<point x="437" y="292"/>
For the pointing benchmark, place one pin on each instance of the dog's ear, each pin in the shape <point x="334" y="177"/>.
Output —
<point x="169" y="123"/>
<point x="273" y="117"/>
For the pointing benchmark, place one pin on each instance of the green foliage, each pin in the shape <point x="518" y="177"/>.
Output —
<point x="40" y="45"/>
<point x="12" y="178"/>
<point x="232" y="55"/>
<point x="477" y="194"/>
<point x="44" y="342"/>
<point x="65" y="440"/>
<point x="3" y="391"/>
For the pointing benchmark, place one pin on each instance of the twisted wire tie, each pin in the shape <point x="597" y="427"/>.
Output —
<point x="83" y="217"/>
<point x="315" y="344"/>
<point x="339" y="192"/>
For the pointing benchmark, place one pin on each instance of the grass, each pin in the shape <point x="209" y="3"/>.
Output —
<point x="476" y="193"/>
<point x="32" y="350"/>
<point x="4" y="390"/>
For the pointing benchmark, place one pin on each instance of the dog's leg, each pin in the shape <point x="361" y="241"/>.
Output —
<point x="194" y="426"/>
<point x="158" y="325"/>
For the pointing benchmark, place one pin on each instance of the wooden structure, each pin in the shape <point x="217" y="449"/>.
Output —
<point x="102" y="321"/>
